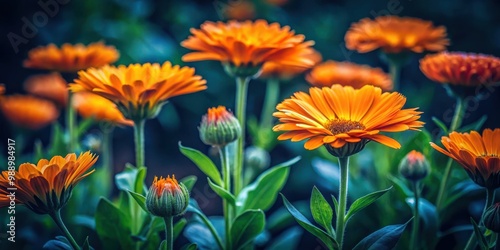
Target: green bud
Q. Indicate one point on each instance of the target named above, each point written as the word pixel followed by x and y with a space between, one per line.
pixel 414 166
pixel 219 127
pixel 167 197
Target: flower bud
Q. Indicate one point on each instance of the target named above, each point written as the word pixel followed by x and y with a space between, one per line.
pixel 414 166
pixel 257 158
pixel 167 197
pixel 492 217
pixel 219 127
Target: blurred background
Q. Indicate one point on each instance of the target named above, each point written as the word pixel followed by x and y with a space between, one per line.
pixel 151 31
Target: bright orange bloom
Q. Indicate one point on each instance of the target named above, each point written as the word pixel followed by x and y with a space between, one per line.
pixel 71 58
pixel 28 111
pixel 395 34
pixel 285 72
pixel 348 74
pixel 339 116
pixel 139 90
pixel 47 186
pixel 478 155
pixel 247 44
pixel 91 105
pixel 165 184
pixel 457 68
pixel 239 10
pixel 50 86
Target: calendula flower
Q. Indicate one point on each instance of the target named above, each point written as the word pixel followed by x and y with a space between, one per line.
pixel 138 90
pixel 46 186
pixel 243 47
pixel 478 155
pixel 344 119
pixel 458 68
pixel 50 86
pixel 91 105
pixel 28 111
pixel 286 72
pixel 71 58
pixel 348 74
pixel 219 127
pixel 239 10
pixel 167 197
pixel 395 34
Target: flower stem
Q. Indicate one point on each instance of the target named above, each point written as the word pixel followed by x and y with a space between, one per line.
pixel 272 94
pixel 139 143
pixel 71 125
pixel 416 217
pixel 107 158
pixel 56 216
pixel 490 196
pixel 224 158
pixel 344 180
pixel 169 232
pixel 241 100
pixel 455 123
pixel 395 72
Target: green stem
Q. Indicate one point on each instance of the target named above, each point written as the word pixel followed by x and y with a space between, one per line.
pixel 213 231
pixel 71 125
pixel 490 196
pixel 344 181
pixel 56 216
pixel 169 232
pixel 139 143
pixel 107 157
pixel 395 72
pixel 241 101
pixel 455 123
pixel 226 172
pixel 270 101
pixel 416 217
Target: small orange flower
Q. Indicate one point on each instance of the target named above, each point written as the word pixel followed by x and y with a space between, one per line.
pixel 247 44
pixel 239 10
pixel 457 68
pixel 47 186
pixel 167 197
pixel 478 155
pixel 395 34
pixel 286 72
pixel 91 105
pixel 50 86
pixel 71 58
pixel 28 111
pixel 139 90
pixel 348 74
pixel 344 119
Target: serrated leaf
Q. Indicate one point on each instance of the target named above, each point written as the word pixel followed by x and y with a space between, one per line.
pixel 246 227
pixel 224 194
pixel 385 238
pixel 204 163
pixel 321 211
pixel 189 181
pixel 364 201
pixel 140 199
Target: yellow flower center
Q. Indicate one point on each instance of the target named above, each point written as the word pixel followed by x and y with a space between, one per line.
pixel 339 126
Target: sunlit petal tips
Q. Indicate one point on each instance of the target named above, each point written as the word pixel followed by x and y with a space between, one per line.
pixel 99 108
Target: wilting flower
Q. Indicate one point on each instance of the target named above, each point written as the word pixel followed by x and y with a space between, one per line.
pixel 395 34
pixel 91 105
pixel 465 69
pixel 243 47
pixel 219 127
pixel 348 74
pixel 71 58
pixel 344 119
pixel 414 166
pixel 478 155
pixel 28 111
pixel 239 10
pixel 50 86
pixel 167 197
pixel 46 186
pixel 139 91
pixel 286 72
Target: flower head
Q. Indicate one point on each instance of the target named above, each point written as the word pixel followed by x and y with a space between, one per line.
pixel 414 166
pixel 478 155
pixel 46 186
pixel 348 74
pixel 167 197
pixel 138 90
pixel 395 34
pixel 286 72
pixel 219 127
pixel 28 111
pixel 344 119
pixel 71 58
pixel 50 86
pixel 91 105
pixel 243 47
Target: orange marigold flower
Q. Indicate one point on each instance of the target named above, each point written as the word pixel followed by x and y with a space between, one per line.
pixel 91 105
pixel 286 72
pixel 348 74
pixel 50 86
pixel 239 10
pixel 247 45
pixel 28 111
pixel 395 34
pixel 478 155
pixel 139 90
pixel 457 68
pixel 71 58
pixel 46 186
pixel 344 119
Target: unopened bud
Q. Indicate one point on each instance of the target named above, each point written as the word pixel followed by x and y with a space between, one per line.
pixel 167 197
pixel 219 127
pixel 414 166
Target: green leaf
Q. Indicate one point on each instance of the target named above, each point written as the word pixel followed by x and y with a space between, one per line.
pixel 440 124
pixel 321 211
pixel 84 125
pixel 385 238
pixel 262 193
pixel 191 246
pixel 178 227
pixel 189 181
pixel 224 194
pixel 307 225
pixel 131 178
pixel 289 239
pixel 163 245
pixel 59 244
pixel 112 226
pixel 204 163
pixel 400 185
pixel 428 215
pixel 246 227
pixel 140 199
pixel 364 201
pixel 335 204
pixel 57 142
pixel 281 218
pixel 193 235
pixel 483 243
